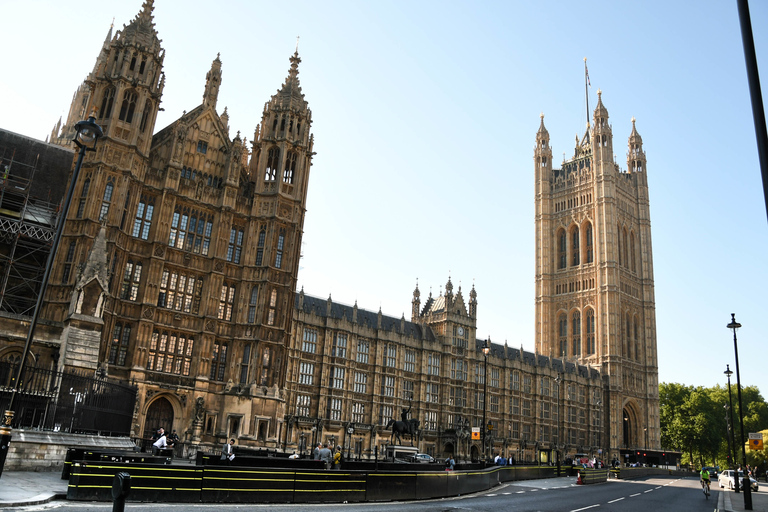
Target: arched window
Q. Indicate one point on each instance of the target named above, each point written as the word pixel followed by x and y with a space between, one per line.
pixel 273 159
pixel 83 197
pixel 252 304
pixel 590 251
pixel 245 363
pixel 106 200
pixel 133 63
pixel 106 103
pixel 632 251
pixel 68 263
pixel 290 167
pixel 272 313
pixel 563 334
pixel 618 242
pixel 628 338
pixel 624 247
pixel 226 301
pixel 218 361
pixel 279 253
pixel 118 349
pixel 590 331
pixel 562 248
pixel 576 333
pixel 260 247
pixel 128 106
pixel 575 246
pixel 638 352
pixel 145 115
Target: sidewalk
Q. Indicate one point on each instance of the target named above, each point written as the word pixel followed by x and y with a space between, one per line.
pixel 732 502
pixel 22 488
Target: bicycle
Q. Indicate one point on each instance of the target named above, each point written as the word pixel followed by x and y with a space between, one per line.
pixel 705 487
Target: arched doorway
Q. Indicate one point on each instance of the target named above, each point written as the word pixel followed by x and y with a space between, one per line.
pixel 629 427
pixel 159 414
pixel 448 451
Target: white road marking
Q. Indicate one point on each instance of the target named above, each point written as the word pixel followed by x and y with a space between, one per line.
pixel 633 495
pixel 585 508
pixel 614 501
pixel 649 490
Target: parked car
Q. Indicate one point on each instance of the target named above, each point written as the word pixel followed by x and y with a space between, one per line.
pixel 423 457
pixel 712 471
pixel 726 479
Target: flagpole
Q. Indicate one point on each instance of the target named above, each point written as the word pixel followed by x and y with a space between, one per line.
pixel 586 90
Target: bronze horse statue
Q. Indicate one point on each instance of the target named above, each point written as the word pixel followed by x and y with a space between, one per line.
pixel 401 427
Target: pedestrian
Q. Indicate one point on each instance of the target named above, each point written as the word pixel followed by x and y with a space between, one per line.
pixel 449 463
pixel 228 452
pixel 160 443
pixel 173 439
pixel 326 456
pixel 338 458
pixel 316 452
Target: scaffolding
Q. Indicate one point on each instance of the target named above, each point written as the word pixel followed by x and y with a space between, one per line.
pixel 27 226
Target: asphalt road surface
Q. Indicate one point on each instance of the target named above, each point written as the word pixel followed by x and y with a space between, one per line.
pixel 549 495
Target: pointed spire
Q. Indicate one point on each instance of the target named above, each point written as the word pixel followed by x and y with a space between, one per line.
pixel 109 34
pixel 600 110
pixel 141 30
pixel 212 83
pixel 542 129
pixel 290 93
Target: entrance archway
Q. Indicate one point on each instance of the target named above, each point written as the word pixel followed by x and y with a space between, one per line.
pixel 629 426
pixel 159 414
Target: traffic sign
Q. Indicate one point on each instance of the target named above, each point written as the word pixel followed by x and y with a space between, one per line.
pixel 476 433
pixel 755 441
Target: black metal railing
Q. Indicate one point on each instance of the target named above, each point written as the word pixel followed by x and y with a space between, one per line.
pixel 68 401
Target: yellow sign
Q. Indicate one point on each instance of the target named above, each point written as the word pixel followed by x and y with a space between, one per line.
pixel 476 433
pixel 755 444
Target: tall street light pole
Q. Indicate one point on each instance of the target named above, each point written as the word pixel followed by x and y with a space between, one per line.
pixel 728 372
pixel 87 133
pixel 734 325
pixel 486 350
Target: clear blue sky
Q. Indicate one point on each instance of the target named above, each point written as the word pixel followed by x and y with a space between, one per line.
pixel 425 115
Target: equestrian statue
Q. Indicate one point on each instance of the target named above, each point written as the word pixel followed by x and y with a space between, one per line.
pixel 405 426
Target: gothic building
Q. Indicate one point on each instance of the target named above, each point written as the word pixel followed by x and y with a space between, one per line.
pixel 178 266
pixel 178 262
pixel 594 274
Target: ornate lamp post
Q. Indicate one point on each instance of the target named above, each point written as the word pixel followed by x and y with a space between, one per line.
pixel 350 431
pixel 734 325
pixel 486 350
pixel 88 132
pixel 731 441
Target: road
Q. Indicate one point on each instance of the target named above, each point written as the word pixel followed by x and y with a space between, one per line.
pixel 550 495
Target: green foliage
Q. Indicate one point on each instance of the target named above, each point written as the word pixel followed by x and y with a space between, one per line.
pixel 694 421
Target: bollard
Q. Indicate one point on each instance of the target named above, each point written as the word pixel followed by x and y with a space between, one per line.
pixel 121 487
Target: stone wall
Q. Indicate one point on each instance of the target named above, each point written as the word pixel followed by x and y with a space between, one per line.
pixel 32 450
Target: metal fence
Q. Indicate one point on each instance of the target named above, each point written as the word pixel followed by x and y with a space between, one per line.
pixel 68 401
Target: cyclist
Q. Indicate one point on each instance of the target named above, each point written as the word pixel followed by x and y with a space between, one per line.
pixel 705 480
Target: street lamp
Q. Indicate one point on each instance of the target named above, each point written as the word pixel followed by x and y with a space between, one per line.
pixel 87 133
pixel 350 431
pixel 734 325
pixel 728 373
pixel 486 350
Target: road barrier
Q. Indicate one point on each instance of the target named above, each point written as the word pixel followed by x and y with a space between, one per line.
pixel 92 481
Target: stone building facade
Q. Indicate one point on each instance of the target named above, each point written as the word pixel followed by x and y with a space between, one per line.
pixel 352 371
pixel 178 268
pixel 178 261
pixel 594 275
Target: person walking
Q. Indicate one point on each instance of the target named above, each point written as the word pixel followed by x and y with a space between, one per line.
pixel 228 452
pixel 326 456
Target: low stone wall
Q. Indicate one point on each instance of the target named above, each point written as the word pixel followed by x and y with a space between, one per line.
pixel 32 450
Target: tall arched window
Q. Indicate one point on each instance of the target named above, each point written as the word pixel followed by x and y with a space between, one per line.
pixel 638 352
pixel 260 247
pixel 290 167
pixel 279 252
pixel 252 304
pixel 632 251
pixel 128 106
pixel 590 331
pixel 618 242
pixel 273 159
pixel 576 333
pixel 575 246
pixel 628 338
pixel 624 248
pixel 145 115
pixel 563 334
pixel 106 103
pixel 106 200
pixel 590 252
pixel 83 197
pixel 218 361
pixel 562 248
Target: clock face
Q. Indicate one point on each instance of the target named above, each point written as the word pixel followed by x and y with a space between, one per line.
pixel 460 331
